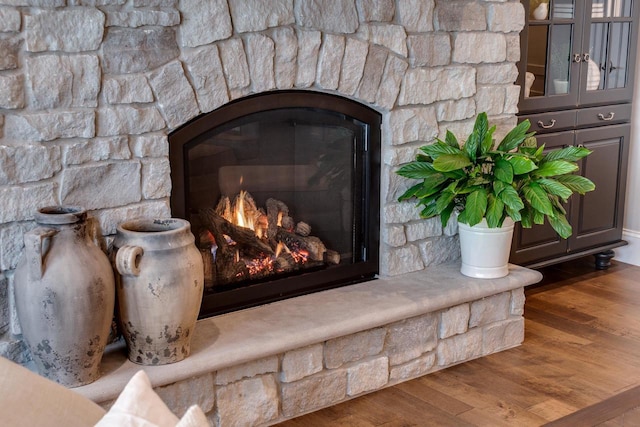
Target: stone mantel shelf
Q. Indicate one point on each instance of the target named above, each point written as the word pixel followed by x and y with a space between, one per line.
pixel 234 338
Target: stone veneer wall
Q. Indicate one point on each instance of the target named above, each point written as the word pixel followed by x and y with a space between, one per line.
pixel 302 380
pixel 89 90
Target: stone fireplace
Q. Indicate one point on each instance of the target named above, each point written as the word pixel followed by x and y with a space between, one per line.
pixel 91 89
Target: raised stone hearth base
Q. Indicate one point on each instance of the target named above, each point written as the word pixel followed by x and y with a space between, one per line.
pixel 264 365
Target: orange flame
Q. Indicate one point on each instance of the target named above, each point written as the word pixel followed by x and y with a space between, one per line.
pixel 241 219
pixel 281 247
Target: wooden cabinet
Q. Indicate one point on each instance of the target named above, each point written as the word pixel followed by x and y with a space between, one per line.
pixel 576 76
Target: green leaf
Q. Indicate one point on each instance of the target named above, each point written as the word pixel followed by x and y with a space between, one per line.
pixel 526 219
pixel 451 140
pixel 462 217
pixel 456 174
pixel 570 154
pixel 576 183
pixel 439 148
pixel 411 192
pixel 503 171
pixel 431 185
pixel 445 199
pixel 427 200
pixel 495 212
pixel 429 211
pixel 554 187
pixel 481 125
pixel 514 214
pixel 537 198
pixel 556 167
pixel 451 162
pixel 487 142
pixel 417 170
pixel 476 206
pixel 446 214
pixel 561 225
pixel 528 151
pixel 538 217
pixel 471 145
pixel 521 164
pixel 510 197
pixel 557 205
pixel 499 186
pixel 515 137
pixel 530 141
pixel 478 181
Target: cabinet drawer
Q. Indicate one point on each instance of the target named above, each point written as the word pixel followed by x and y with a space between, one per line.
pixel 551 122
pixel 605 115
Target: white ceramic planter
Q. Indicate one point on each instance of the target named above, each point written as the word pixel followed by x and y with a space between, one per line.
pixel 485 251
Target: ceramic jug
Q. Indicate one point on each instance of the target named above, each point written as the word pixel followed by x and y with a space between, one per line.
pixel 65 295
pixel 541 11
pixel 159 288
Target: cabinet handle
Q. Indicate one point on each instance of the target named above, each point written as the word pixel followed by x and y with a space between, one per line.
pixel 551 124
pixel 577 57
pixel 585 57
pixel 607 118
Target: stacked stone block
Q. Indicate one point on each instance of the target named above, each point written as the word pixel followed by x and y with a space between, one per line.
pixel 301 380
pixel 89 91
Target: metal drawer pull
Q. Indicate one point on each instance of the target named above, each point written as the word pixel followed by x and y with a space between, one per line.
pixel 586 57
pixel 551 124
pixel 608 117
pixel 577 57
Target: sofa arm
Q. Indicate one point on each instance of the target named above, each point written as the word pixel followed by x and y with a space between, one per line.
pixel 27 399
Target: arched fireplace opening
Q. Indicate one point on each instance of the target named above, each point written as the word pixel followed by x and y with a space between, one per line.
pixel 282 190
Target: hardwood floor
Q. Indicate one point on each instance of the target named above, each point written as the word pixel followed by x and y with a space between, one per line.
pixel 582 346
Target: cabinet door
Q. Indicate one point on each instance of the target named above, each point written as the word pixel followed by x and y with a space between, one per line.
pixel 548 71
pixel 597 216
pixel 608 51
pixel 541 241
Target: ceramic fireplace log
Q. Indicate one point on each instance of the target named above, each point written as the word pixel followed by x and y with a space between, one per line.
pixel 312 244
pixel 219 226
pixel 275 209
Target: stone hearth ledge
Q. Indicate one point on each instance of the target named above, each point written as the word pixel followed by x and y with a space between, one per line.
pixel 242 336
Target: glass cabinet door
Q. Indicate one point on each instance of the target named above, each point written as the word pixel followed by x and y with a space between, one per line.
pixel 550 38
pixel 576 53
pixel 607 70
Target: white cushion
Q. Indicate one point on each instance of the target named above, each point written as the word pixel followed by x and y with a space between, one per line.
pixel 194 417
pixel 139 406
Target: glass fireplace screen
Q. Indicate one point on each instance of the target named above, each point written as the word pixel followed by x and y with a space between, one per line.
pixel 282 195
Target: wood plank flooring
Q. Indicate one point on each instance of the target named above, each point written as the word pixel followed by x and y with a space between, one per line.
pixel 582 346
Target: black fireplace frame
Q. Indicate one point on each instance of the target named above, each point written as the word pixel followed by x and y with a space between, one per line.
pixel 181 139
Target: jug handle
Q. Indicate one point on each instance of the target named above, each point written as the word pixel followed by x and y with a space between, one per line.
pixel 35 250
pixel 128 260
pixel 95 233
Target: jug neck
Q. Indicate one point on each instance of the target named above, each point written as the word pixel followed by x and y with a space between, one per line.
pixel 52 216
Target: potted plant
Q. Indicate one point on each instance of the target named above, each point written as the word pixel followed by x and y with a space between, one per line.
pixel 492 186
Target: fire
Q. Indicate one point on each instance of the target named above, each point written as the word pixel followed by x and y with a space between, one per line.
pixel 243 212
pixel 280 248
pixel 241 218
